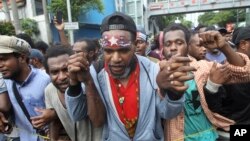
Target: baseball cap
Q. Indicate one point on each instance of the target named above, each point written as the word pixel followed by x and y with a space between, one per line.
pixel 35 53
pixel 118 21
pixel 10 44
pixel 243 34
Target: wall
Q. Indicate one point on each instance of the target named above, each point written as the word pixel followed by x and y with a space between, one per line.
pixel 28 11
pixel 42 27
pixel 89 23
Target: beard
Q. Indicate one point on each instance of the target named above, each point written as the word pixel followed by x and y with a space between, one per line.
pixel 61 88
pixel 12 75
pixel 169 55
pixel 127 69
pixel 124 75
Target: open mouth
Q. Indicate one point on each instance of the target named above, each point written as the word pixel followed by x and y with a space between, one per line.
pixel 138 51
pixel 64 85
pixel 117 69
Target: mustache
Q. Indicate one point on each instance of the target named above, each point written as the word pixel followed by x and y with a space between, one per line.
pixel 168 55
pixel 64 82
pixel 117 65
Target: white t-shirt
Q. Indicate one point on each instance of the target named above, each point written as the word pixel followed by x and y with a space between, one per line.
pixel 85 131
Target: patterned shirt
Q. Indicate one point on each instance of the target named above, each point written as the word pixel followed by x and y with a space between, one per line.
pixel 175 127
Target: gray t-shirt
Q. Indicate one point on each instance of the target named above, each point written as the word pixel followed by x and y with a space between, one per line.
pixel 85 131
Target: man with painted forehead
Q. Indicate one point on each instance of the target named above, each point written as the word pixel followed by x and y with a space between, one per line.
pixel 127 85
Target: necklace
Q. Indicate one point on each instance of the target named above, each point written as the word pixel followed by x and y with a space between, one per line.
pixel 121 99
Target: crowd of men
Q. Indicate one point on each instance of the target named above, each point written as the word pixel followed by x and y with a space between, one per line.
pixel 117 89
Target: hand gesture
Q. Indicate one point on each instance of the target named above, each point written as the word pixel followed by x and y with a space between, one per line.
pixel 78 68
pixel 59 27
pixel 219 75
pixel 173 74
pixel 46 116
pixel 212 39
pixel 5 126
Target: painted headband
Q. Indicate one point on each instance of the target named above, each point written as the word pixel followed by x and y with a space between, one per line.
pixel 114 42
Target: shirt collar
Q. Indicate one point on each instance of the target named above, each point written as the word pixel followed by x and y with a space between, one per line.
pixel 30 76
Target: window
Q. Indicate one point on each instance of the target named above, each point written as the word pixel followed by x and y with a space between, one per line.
pixel 39 7
pixel 130 8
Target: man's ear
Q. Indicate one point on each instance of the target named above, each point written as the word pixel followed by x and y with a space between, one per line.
pixel 22 58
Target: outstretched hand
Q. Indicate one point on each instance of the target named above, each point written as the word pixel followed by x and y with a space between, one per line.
pixel 59 27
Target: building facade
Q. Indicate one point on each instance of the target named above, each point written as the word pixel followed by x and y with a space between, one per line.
pixel 89 23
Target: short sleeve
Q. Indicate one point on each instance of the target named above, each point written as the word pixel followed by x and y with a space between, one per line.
pixel 48 98
pixel 3 87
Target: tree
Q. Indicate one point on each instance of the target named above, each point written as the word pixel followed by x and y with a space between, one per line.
pixel 7 28
pixel 30 27
pixel 164 21
pixel 186 23
pixel 77 7
pixel 221 18
pixel 205 18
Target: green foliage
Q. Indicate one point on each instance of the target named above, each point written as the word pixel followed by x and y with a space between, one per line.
pixel 164 21
pixel 222 17
pixel 6 28
pixel 186 23
pixel 77 7
pixel 205 18
pixel 29 27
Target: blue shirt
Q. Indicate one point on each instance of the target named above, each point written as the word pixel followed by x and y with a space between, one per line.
pixel 197 126
pixel 2 85
pixel 32 93
pixel 219 58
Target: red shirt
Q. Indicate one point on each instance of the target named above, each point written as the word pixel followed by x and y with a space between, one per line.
pixel 126 99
